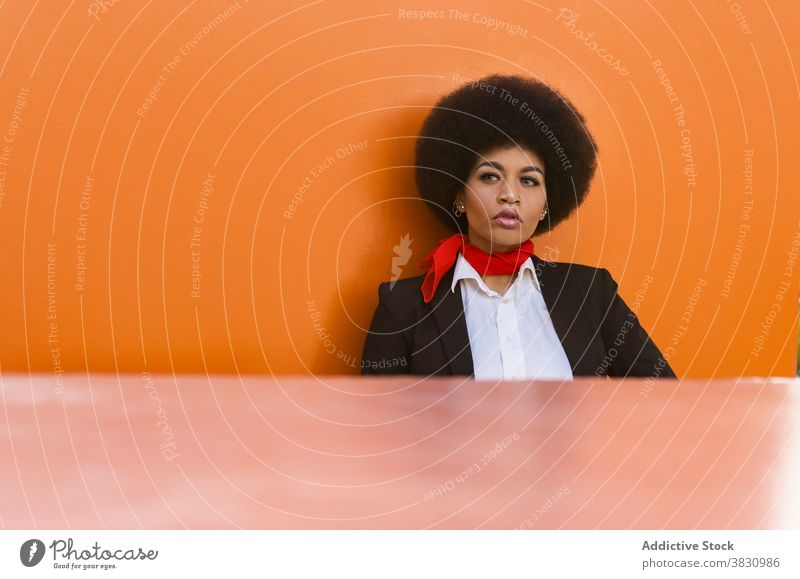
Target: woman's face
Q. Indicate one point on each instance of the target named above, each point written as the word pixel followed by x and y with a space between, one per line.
pixel 506 180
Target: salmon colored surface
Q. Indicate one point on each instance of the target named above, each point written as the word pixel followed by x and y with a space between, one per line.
pixel 220 186
pixel 226 452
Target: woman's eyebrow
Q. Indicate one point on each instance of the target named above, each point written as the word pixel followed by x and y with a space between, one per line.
pixel 497 165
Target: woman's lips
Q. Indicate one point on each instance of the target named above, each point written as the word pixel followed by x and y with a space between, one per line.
pixel 507 222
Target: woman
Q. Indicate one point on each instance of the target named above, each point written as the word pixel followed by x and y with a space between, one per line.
pixel 499 160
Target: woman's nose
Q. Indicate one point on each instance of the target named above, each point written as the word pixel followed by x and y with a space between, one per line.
pixel 509 195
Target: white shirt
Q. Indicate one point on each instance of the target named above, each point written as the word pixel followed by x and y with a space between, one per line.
pixel 511 335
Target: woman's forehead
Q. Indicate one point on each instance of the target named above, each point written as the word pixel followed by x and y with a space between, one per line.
pixel 511 156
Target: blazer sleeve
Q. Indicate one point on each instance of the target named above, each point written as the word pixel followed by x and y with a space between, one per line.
pixel 385 348
pixel 630 348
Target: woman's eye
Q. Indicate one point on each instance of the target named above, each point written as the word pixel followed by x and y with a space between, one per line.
pixel 494 177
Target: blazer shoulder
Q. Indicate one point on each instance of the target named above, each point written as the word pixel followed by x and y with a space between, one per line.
pixel 401 296
pixel 403 286
pixel 581 279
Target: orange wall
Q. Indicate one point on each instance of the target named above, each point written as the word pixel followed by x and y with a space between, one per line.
pixel 250 104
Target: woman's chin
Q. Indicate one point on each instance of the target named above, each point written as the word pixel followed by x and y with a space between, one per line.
pixel 502 236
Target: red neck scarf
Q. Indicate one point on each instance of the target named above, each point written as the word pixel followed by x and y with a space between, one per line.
pixel 444 255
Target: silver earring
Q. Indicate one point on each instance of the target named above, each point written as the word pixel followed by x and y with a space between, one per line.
pixel 543 214
pixel 458 210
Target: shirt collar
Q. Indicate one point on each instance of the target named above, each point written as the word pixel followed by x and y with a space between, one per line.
pixel 464 270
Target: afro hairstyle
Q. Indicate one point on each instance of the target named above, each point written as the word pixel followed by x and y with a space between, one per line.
pixel 501 111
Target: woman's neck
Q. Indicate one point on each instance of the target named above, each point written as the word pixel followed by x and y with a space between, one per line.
pixel 499 283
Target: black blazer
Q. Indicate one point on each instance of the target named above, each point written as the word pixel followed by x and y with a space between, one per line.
pixel 598 331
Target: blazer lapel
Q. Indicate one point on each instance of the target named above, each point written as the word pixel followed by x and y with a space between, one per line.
pixel 560 301
pixel 448 310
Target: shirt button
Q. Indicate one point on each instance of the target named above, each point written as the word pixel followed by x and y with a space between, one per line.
pixel 508 338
